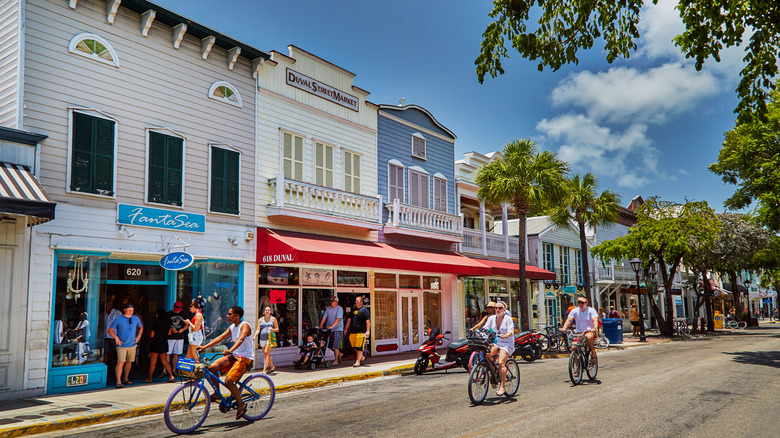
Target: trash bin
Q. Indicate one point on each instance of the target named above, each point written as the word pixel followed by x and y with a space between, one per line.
pixel 613 329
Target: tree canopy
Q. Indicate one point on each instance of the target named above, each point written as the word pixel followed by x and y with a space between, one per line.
pixel 565 26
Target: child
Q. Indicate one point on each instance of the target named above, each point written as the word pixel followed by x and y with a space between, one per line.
pixel 306 350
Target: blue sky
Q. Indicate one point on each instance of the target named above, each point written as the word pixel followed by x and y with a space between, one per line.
pixel 649 125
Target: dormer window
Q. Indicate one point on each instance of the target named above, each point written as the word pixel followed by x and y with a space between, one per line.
pixel 94 47
pixel 418 146
pixel 225 92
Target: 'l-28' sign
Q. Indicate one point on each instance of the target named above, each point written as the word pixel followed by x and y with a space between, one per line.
pixel 159 218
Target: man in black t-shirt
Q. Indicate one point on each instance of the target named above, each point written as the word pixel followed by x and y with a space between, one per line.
pixel 177 332
pixel 358 327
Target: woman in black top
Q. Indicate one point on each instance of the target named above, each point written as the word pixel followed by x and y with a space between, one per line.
pixel 159 347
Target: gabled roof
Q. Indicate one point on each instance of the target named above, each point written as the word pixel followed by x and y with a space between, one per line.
pixel 421 109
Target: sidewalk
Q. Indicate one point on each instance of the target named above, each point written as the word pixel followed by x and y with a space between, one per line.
pixel 68 411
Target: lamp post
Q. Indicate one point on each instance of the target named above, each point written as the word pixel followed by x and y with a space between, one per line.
pixel 747 300
pixel 636 265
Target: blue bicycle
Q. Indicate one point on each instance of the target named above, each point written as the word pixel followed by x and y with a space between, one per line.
pixel 189 404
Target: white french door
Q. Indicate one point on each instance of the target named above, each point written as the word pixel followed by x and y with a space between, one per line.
pixel 411 320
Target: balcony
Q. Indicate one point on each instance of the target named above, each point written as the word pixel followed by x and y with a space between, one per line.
pixel 416 221
pixel 615 273
pixel 483 243
pixel 309 201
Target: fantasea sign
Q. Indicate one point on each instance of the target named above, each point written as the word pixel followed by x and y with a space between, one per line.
pixel 176 261
pixel 324 91
pixel 159 218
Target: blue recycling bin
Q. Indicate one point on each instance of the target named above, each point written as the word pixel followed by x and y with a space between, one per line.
pixel 613 329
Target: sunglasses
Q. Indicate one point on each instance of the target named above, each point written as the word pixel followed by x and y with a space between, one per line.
pixel 129 320
pixel 582 302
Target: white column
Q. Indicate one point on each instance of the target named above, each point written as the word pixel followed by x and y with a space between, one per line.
pixel 505 228
pixel 482 227
pixel 280 189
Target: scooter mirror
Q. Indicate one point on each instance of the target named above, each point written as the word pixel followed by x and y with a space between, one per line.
pixel 447 332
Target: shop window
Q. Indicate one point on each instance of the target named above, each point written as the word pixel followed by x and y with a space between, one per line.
pixel 432 283
pixel 497 288
pixel 94 47
pixel 409 281
pixel 474 293
pixel 284 306
pixel 323 164
pixel 292 156
pixel 166 169
pixel 225 92
pixel 352 278
pixel 225 170
pixel 277 275
pixel 78 327
pixel 92 154
pixel 386 325
pixel 351 172
pixel 385 281
pixel 315 301
pixel 217 289
pixel 432 309
pixel 316 277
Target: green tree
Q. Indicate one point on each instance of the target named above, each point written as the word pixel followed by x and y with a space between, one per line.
pixel 523 176
pixel 750 159
pixel 586 208
pixel 661 239
pixel 565 26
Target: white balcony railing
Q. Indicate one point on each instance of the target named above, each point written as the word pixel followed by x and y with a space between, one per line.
pixel 479 242
pixel 318 199
pixel 615 272
pixel 410 216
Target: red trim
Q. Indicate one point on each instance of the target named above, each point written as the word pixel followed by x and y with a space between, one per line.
pixel 386 347
pixel 276 247
pixel 507 269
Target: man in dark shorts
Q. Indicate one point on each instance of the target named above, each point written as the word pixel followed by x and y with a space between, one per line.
pixel 177 332
pixel 359 327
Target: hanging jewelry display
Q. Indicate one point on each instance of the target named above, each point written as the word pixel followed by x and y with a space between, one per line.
pixel 77 279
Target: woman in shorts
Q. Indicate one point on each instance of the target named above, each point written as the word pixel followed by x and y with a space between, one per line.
pixel 196 333
pixel 266 325
pixel 504 346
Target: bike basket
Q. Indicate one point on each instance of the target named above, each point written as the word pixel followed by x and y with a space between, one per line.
pixel 190 370
pixel 480 339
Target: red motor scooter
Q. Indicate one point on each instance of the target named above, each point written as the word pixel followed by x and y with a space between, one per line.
pixel 458 353
pixel 528 346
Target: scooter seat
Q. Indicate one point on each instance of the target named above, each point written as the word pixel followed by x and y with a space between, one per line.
pixel 521 334
pixel 454 345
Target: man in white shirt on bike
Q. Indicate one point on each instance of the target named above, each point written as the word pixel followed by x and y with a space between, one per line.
pixel 586 319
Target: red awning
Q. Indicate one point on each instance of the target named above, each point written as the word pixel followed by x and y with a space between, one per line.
pixel 280 247
pixel 507 269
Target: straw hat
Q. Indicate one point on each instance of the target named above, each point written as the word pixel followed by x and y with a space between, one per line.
pixel 490 304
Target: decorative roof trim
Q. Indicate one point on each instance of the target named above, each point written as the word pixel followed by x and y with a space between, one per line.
pixel 419 108
pixel 19 136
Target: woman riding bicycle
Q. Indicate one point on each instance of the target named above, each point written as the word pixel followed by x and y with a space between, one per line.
pixel 504 327
pixel 586 320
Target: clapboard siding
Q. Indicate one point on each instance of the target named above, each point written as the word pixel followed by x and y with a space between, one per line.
pixel 156 86
pixel 10 45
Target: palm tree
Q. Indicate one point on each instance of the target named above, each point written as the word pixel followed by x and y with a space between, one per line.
pixel 523 177
pixel 585 209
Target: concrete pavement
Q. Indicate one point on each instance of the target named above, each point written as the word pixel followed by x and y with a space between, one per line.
pixel 68 411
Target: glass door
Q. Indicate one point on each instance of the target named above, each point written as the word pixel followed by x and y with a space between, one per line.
pixel 411 321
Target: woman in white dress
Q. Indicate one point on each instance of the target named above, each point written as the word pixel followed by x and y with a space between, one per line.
pixel 502 324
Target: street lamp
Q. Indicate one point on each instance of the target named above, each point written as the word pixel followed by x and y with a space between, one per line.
pixel 747 300
pixel 636 265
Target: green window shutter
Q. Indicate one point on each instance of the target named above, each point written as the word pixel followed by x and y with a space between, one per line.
pixel 174 170
pixel 165 169
pixel 231 186
pixel 156 167
pixel 224 181
pixel 92 163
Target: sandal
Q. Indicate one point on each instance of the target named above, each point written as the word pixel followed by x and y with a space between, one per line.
pixel 172 380
pixel 128 382
pixel 147 380
pixel 240 412
pixel 500 393
pixel 119 386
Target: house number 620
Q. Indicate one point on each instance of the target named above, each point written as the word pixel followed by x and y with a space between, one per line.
pixel 133 272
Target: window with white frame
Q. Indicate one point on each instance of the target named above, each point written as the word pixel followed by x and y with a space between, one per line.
pixel 93 147
pixel 225 170
pixel 94 47
pixel 323 164
pixel 563 258
pixel 418 146
pixel 439 193
pixel 166 169
pixel 548 258
pixel 351 172
pixel 578 262
pixel 225 92
pixel 419 187
pixel 395 178
pixel 292 156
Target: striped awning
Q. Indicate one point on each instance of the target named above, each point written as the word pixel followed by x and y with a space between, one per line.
pixel 22 193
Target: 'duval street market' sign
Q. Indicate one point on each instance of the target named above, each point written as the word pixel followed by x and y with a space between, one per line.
pixel 159 218
pixel 176 261
pixel 324 91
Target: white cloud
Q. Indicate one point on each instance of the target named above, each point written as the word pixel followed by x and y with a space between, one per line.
pixel 622 95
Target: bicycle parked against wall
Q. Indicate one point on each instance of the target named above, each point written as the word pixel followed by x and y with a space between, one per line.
pixel 580 360
pixel 188 405
pixel 681 328
pixel 557 340
pixel 735 323
pixel 484 374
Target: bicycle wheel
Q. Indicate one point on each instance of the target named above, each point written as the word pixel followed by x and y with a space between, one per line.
pixel 479 382
pixel 575 367
pixel 731 324
pixel 544 342
pixel 741 324
pixel 593 368
pixel 564 343
pixel 476 357
pixel 527 355
pixel 258 392
pixel 187 407
pixel 420 365
pixel 602 342
pixel 512 378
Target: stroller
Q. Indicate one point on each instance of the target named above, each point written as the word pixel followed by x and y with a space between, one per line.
pixel 321 354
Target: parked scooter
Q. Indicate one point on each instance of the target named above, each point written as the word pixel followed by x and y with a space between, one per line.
pixel 458 353
pixel 528 346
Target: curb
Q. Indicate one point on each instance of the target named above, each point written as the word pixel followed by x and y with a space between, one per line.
pixel 105 417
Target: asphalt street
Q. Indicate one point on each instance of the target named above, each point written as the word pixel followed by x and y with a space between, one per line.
pixel 714 387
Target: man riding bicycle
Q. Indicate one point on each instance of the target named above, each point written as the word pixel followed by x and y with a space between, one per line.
pixel 238 358
pixel 586 319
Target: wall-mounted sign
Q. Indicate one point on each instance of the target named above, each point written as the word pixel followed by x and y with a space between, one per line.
pixel 159 218
pixel 324 91
pixel 134 272
pixel 317 277
pixel 176 261
pixel 570 289
pixel 278 296
pixel 77 380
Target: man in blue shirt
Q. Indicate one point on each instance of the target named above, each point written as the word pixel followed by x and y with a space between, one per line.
pixel 125 331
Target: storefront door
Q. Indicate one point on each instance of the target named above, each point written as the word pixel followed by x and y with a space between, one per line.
pixel 411 321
